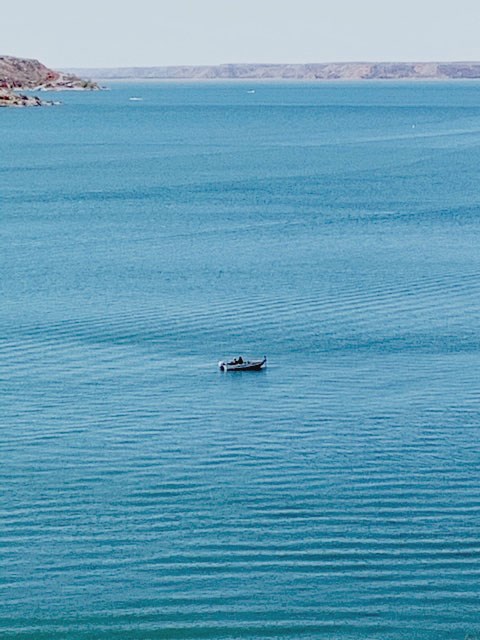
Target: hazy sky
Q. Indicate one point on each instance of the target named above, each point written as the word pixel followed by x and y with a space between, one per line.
pixel 86 33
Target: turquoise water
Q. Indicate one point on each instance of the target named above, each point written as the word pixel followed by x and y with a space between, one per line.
pixel 333 227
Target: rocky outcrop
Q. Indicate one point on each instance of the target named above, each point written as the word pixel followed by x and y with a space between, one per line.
pixel 20 74
pixel 314 71
pixel 11 99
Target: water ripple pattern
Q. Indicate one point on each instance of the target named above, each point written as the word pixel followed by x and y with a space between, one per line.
pixel 147 495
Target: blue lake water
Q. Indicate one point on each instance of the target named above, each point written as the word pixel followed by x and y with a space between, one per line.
pixel 333 227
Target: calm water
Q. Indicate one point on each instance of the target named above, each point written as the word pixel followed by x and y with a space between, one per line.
pixel 333 227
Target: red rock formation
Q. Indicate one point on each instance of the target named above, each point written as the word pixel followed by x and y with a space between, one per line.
pixel 21 73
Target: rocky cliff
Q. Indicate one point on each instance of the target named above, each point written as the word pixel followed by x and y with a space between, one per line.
pixel 20 74
pixel 314 71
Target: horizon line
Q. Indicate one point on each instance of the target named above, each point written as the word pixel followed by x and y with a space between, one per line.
pixel 259 64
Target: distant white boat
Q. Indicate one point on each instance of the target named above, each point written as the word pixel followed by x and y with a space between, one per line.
pixel 135 99
pixel 251 91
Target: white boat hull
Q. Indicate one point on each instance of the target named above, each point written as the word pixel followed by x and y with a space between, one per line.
pixel 248 365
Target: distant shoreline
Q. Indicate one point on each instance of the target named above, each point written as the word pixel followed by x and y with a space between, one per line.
pixel 315 72
pixel 254 81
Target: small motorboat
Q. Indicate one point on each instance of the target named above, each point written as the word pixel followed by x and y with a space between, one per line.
pixel 239 364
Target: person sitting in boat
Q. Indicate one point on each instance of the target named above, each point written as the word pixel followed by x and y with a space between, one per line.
pixel 239 360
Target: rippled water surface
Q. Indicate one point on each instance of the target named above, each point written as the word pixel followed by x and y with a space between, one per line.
pixel 333 227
